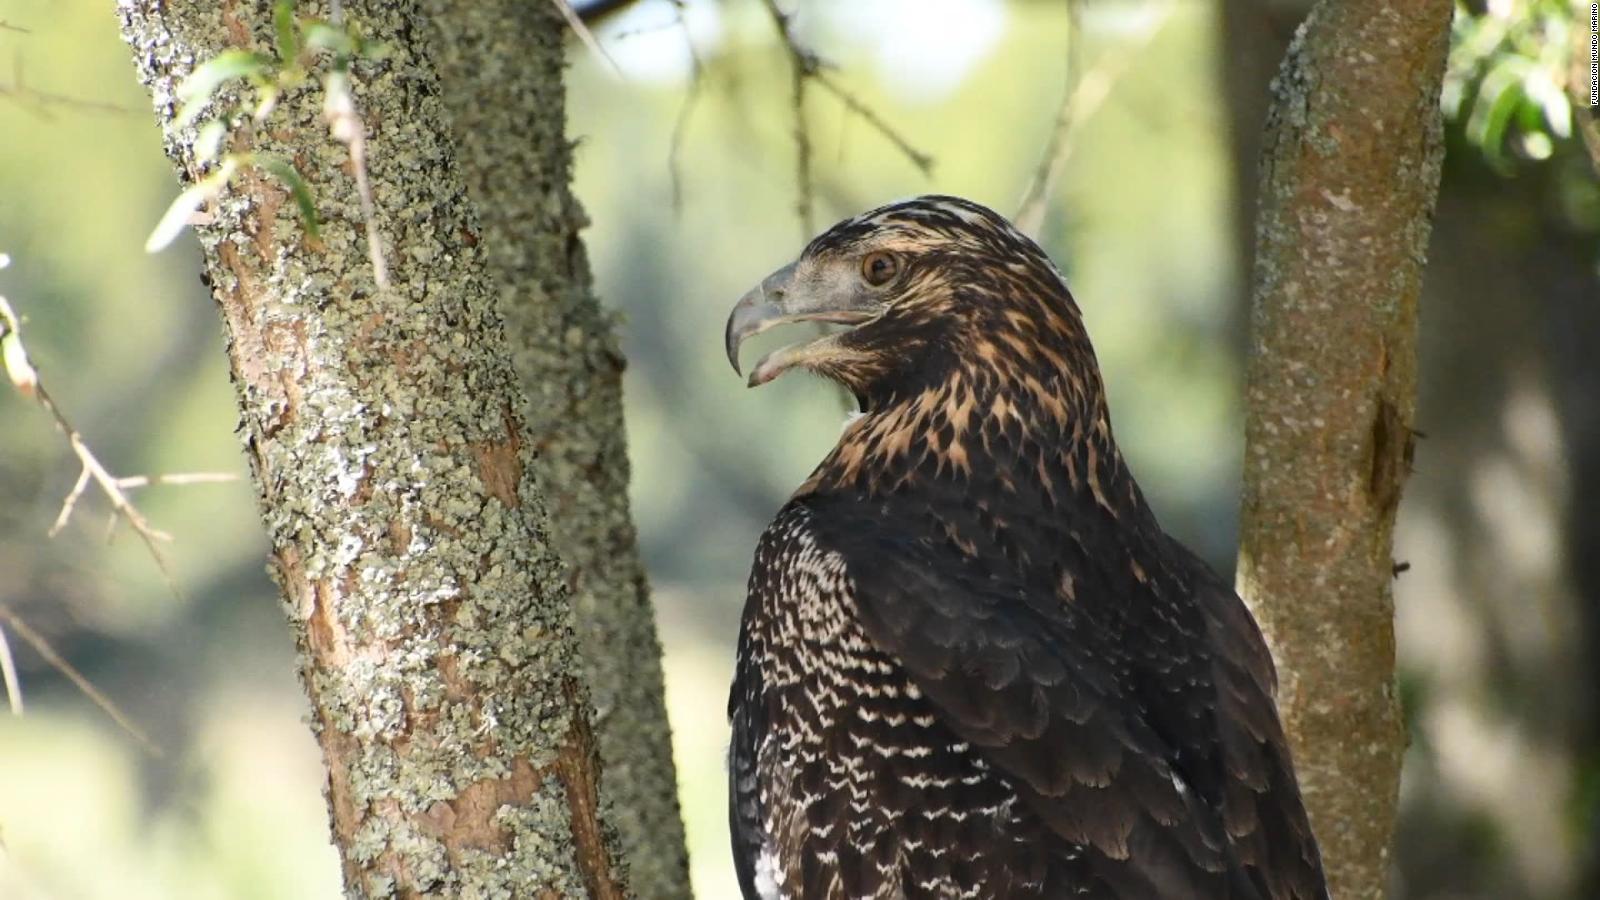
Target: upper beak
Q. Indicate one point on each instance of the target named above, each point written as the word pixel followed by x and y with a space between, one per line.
pixel 777 300
pixel 761 307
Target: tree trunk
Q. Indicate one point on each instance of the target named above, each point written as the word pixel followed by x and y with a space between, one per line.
pixel 1350 171
pixel 510 129
pixel 396 481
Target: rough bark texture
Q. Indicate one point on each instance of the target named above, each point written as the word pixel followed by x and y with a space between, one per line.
pixel 1350 170
pixel 396 481
pixel 500 64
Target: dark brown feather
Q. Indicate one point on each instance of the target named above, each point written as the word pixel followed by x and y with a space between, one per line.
pixel 971 662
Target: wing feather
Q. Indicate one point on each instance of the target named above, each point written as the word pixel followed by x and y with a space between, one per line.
pixel 1046 693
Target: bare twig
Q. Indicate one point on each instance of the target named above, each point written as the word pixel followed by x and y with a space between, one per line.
pixel 802 63
pixel 135 481
pixel 679 127
pixel 618 37
pixel 26 380
pixel 108 486
pixel 805 201
pixel 585 35
pixel 598 9
pixel 179 478
pixel 804 67
pixel 40 103
pixel 921 160
pixel 8 672
pixel 70 502
pixel 1081 99
pixel 60 664
pixel 7 26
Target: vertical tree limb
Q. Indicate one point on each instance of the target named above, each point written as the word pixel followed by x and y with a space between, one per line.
pixel 510 128
pixel 1350 171
pixel 396 481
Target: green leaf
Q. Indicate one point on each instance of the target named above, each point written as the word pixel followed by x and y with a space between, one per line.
pixel 18 369
pixel 319 35
pixel 1541 88
pixel 175 218
pixel 177 215
pixel 285 172
pixel 209 141
pixel 1498 98
pixel 196 90
pixel 288 43
pixel 266 102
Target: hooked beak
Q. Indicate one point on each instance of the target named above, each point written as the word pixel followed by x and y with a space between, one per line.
pixel 778 300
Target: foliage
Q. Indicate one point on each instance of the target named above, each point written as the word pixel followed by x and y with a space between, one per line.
pixel 1508 77
pixel 300 44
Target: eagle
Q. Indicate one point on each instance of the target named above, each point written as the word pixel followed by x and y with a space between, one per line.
pixel 971 663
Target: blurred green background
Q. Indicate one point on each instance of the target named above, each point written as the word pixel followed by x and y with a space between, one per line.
pixel 1497 612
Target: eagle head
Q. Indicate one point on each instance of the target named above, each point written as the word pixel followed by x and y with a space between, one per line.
pixel 929 289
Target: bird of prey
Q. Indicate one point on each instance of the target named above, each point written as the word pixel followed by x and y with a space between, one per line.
pixel 971 664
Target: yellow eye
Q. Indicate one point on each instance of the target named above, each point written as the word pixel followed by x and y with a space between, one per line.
pixel 879 266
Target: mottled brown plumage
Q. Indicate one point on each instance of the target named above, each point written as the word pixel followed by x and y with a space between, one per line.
pixel 971 662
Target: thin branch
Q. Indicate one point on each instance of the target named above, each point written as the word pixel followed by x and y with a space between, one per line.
pixel 135 481
pixel 681 125
pixel 82 683
pixel 618 37
pixel 70 502
pixel 108 486
pixel 923 161
pixel 40 103
pixel 176 479
pixel 8 672
pixel 584 34
pixel 805 201
pixel 802 62
pixel 597 9
pixel 804 67
pixel 7 26
pixel 1081 99
pixel 26 380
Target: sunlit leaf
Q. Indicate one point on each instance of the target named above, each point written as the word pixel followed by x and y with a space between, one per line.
pixel 186 204
pixel 319 35
pixel 1498 98
pixel 266 102
pixel 1551 99
pixel 196 90
pixel 288 43
pixel 209 140
pixel 18 369
pixel 285 172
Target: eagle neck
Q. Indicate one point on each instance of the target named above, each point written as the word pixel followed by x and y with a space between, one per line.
pixel 1046 437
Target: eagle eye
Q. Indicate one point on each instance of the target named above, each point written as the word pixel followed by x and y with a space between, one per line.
pixel 879 266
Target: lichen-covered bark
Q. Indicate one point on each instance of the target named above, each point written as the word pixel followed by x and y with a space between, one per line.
pixel 500 65
pixel 396 482
pixel 1350 170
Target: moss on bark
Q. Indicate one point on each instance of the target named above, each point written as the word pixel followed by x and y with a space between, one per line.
pixel 510 128
pixel 396 481
pixel 1350 171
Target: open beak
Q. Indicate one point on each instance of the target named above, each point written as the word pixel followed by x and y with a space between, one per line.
pixel 778 300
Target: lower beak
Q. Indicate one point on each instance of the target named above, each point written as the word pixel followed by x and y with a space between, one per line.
pixel 759 309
